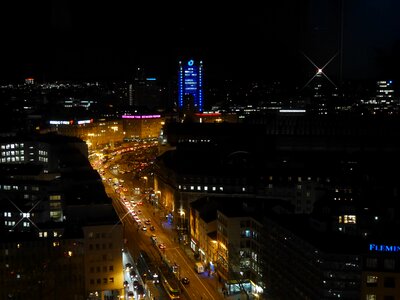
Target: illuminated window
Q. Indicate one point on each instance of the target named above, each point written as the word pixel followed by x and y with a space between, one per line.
pixel 349 219
pixel 372 280
pixel 371 297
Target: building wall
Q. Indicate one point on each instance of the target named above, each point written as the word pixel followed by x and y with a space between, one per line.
pixel 42 268
pixel 380 278
pixel 103 258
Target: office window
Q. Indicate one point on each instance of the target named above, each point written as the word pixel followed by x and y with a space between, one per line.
pixel 389 264
pixel 371 297
pixel 372 262
pixel 372 280
pixel 389 282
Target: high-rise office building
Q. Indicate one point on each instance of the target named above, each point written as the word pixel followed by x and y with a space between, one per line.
pixel 144 93
pixel 190 89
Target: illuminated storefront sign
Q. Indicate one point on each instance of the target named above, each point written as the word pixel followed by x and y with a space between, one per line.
pixel 384 248
pixel 141 117
pixel 54 122
pixel 85 121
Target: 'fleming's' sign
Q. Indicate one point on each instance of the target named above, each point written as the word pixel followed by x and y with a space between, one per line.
pixel 384 248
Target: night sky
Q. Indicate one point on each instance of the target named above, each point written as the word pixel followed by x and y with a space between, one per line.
pixel 68 39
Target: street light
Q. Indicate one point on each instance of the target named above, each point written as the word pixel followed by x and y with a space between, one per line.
pixel 145 185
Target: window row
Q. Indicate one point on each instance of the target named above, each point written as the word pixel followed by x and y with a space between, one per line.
pixel 12 159
pixel 12 146
pixel 12 153
pixel 99 281
pixel 102 246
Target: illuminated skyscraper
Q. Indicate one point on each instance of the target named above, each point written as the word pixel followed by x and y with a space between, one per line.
pixel 190 89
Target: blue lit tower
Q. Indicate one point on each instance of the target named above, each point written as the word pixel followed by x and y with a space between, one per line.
pixel 190 89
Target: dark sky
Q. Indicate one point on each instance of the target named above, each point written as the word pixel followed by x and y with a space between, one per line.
pixel 75 39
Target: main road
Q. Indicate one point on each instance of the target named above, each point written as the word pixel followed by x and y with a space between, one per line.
pixel 201 286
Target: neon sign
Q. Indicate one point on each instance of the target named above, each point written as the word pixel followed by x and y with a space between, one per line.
pixel 384 248
pixel 141 117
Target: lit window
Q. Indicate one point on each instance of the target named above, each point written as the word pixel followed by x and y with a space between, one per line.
pixel 191 187
pixel 206 188
pixel 372 280
pixel 199 188
pixel 371 297
pixel 349 219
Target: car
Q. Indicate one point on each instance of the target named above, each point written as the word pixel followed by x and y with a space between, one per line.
pixel 144 228
pixel 162 246
pixel 126 284
pixel 147 222
pixel 135 284
pixel 152 228
pixel 185 280
pixel 128 266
